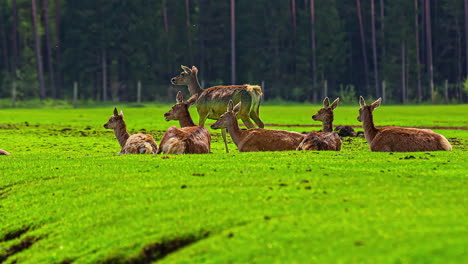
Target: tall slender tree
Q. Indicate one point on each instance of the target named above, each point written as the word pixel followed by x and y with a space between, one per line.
pixel 58 50
pixel 418 60
pixel 233 41
pixel 40 71
pixel 363 44
pixel 4 44
pixel 45 8
pixel 313 46
pixel 374 51
pixel 14 39
pixel 429 48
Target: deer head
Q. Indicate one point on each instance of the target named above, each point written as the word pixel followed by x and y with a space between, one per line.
pixel 228 117
pixel 115 120
pixel 365 111
pixel 180 109
pixel 186 76
pixel 326 112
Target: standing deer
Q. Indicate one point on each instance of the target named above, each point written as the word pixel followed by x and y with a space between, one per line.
pixel 212 102
pixel 327 139
pixel 135 144
pixel 3 152
pixel 397 139
pixel 256 139
pixel 190 138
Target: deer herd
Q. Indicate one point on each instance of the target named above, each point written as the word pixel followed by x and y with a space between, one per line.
pixel 227 104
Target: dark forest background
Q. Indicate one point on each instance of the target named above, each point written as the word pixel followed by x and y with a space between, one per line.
pixel 299 50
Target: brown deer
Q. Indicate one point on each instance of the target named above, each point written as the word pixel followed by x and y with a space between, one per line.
pixel 212 102
pixel 397 139
pixel 135 144
pixel 256 139
pixel 3 152
pixel 327 139
pixel 190 138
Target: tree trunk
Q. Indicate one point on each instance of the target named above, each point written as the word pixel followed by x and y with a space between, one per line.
pixel 104 74
pixel 58 52
pixel 4 42
pixel 313 45
pixel 418 60
pixel 14 40
pixel 233 41
pixel 40 71
pixel 49 49
pixel 363 44
pixel 189 34
pixel 403 72
pixel 294 49
pixel 429 49
pixel 374 51
pixel 466 35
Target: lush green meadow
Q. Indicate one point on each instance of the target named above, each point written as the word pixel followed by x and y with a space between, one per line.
pixel 66 197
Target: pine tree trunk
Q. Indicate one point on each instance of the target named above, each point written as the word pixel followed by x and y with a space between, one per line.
pixel 429 48
pixel 418 60
pixel 14 40
pixel 58 53
pixel 363 45
pixel 233 42
pixel 374 51
pixel 313 45
pixel 40 71
pixel 49 49
pixel 189 34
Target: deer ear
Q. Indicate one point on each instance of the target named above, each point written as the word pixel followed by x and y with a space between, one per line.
pixel 377 103
pixel 362 103
pixel 335 103
pixel 326 102
pixel 237 107
pixel 186 69
pixel 194 70
pixel 116 113
pixel 179 97
pixel 229 107
pixel 121 113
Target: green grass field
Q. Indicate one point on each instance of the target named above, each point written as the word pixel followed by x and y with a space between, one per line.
pixel 65 197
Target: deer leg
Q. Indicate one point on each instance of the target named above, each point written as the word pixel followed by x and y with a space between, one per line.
pixel 246 120
pixel 223 132
pixel 256 119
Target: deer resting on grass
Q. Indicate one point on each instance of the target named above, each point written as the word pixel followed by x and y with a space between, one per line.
pixel 397 139
pixel 327 139
pixel 256 139
pixel 135 144
pixel 3 152
pixel 190 138
pixel 212 102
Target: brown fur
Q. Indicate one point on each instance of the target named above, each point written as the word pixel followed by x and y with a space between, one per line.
pixel 190 138
pixel 212 102
pixel 256 139
pixel 135 144
pixel 327 139
pixel 398 139
pixel 3 152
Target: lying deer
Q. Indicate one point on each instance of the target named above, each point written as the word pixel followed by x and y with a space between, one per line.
pixel 3 152
pixel 135 144
pixel 256 139
pixel 190 138
pixel 327 139
pixel 397 139
pixel 212 102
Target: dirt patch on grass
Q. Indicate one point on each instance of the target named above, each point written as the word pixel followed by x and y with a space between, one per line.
pixel 16 248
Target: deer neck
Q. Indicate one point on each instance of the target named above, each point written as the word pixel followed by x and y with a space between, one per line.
pixel 327 124
pixel 121 134
pixel 370 131
pixel 186 120
pixel 236 133
pixel 194 86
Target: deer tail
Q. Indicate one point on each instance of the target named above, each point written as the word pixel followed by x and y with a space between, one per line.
pixel 256 93
pixel 146 148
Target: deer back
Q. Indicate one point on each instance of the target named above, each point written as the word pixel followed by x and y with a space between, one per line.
pixel 259 139
pixel 194 139
pixel 321 141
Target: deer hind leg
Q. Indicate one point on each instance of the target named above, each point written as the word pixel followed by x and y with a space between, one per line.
pixel 256 119
pixel 223 133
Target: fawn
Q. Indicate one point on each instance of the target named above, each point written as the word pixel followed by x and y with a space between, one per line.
pixel 397 139
pixel 212 102
pixel 327 139
pixel 135 144
pixel 190 138
pixel 256 139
